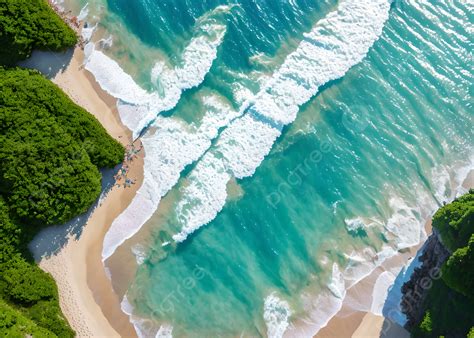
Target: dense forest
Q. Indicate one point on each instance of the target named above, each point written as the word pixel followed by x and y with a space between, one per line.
pixel 449 304
pixel 51 149
pixel 29 302
pixel 31 24
pixel 50 155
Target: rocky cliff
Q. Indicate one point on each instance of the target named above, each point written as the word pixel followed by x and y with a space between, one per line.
pixel 415 290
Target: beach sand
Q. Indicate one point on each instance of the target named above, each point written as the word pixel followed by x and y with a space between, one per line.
pixel 355 323
pixel 86 295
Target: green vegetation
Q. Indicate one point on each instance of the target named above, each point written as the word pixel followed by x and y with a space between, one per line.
pixel 49 159
pixel 50 155
pixel 426 325
pixel 14 324
pixel 28 295
pixel 51 149
pixel 455 222
pixel 458 272
pixel 449 305
pixel 31 24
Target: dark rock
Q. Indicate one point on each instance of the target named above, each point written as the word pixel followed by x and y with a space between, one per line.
pixel 416 289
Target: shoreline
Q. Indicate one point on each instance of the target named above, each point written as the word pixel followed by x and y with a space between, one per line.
pixel 86 293
pixel 87 298
pixel 349 322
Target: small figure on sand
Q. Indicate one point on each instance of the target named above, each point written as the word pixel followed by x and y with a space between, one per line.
pixel 121 177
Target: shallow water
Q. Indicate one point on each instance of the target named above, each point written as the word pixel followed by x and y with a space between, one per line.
pixel 272 211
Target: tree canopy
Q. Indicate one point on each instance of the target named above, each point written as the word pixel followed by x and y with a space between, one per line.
pixel 455 222
pixel 50 155
pixel 449 305
pixel 29 302
pixel 31 24
pixel 458 271
pixel 51 150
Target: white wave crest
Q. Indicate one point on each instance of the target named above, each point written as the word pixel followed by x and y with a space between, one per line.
pixel 354 27
pixel 84 12
pixel 197 59
pixel 276 314
pixel 206 193
pixel 169 148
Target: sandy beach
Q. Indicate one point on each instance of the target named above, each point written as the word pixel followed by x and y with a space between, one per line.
pixel 86 294
pixel 357 324
pixel 87 297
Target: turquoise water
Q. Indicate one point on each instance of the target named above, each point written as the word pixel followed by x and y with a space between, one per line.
pixel 352 179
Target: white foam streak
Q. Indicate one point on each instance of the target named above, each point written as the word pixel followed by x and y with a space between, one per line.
pixel 84 12
pixel 276 314
pixel 354 27
pixel 207 192
pixel 337 284
pixel 337 43
pixel 404 223
pixel 197 58
pixel 170 147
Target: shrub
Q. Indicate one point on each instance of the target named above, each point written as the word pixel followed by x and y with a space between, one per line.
pixel 455 221
pixel 45 314
pixel 22 89
pixel 50 152
pixel 31 24
pixel 14 324
pixel 27 284
pixel 458 271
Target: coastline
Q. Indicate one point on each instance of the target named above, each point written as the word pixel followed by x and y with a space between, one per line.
pixel 86 295
pixel 348 322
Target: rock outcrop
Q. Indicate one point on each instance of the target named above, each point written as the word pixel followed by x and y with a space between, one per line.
pixel 415 290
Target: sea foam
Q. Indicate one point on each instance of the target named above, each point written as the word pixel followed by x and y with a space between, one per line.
pixel 321 308
pixel 170 146
pixel 197 59
pixel 320 58
pixel 276 314
pixel 249 138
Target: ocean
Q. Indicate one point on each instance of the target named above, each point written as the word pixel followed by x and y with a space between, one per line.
pixel 291 147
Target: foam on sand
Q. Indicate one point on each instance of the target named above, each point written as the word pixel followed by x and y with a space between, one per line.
pixel 197 59
pixel 83 13
pixel 170 147
pixel 379 295
pixel 276 313
pixel 326 304
pixel 337 284
pixel 165 331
